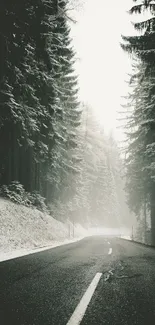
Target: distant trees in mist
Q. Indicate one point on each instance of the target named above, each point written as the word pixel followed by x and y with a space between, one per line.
pixel 100 198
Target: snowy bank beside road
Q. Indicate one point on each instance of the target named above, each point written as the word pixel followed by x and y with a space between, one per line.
pixel 24 230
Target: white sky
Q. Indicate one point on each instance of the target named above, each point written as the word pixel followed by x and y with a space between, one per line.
pixel 103 66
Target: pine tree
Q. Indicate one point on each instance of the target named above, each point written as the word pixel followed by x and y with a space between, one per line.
pixel 39 105
pixel 141 154
pixel 64 165
pixel 23 111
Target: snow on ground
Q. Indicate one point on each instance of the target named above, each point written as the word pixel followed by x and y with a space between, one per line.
pixel 24 231
pixel 126 237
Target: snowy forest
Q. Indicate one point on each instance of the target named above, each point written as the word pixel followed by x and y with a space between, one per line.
pixel 139 109
pixel 54 154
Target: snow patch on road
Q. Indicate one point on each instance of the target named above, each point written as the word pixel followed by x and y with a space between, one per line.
pixel 110 251
pixel 25 231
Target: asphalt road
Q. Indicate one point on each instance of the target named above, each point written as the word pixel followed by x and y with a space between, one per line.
pixel 46 288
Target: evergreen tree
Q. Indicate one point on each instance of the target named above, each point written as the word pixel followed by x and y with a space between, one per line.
pixel 64 165
pixel 38 97
pixel 141 135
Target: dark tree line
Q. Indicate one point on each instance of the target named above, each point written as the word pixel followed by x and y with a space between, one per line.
pixel 39 109
pixel 140 157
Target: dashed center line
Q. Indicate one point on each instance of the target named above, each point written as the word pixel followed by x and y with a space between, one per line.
pixel 110 251
pixel 80 310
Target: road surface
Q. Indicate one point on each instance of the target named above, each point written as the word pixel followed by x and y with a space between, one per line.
pixel 92 282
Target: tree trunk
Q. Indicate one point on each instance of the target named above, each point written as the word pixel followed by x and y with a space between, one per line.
pixel 153 219
pixel 145 222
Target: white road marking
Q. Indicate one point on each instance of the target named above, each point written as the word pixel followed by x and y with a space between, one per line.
pixel 80 310
pixel 110 251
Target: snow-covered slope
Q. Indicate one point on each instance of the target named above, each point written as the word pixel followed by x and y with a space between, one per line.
pixel 24 229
